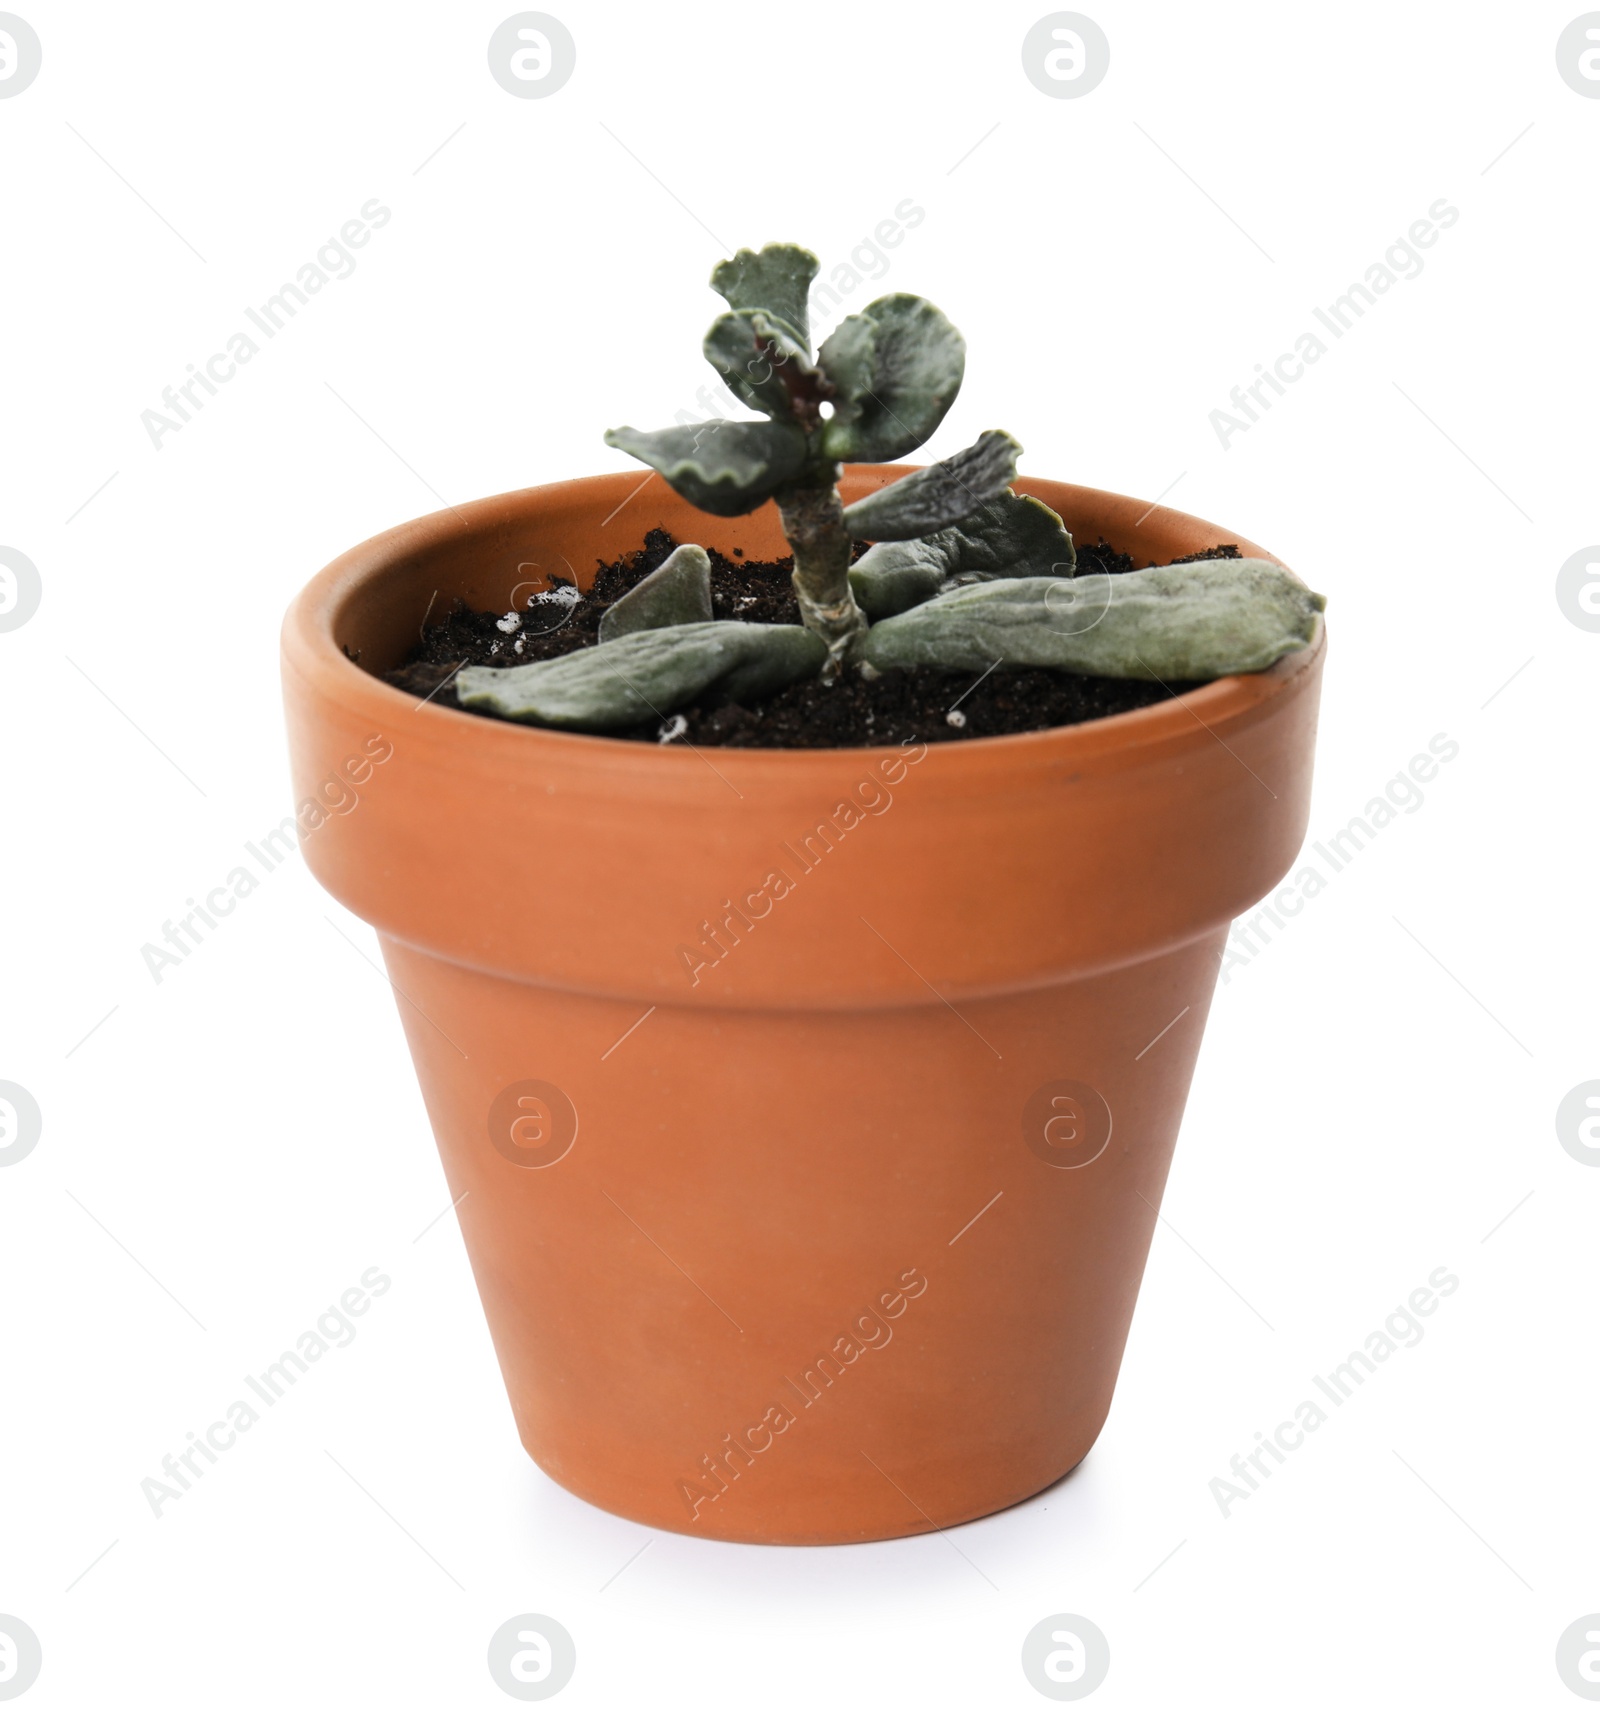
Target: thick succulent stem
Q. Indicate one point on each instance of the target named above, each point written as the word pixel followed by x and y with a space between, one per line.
pixel 813 521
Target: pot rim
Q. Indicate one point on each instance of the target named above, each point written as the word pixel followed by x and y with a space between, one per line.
pixel 310 645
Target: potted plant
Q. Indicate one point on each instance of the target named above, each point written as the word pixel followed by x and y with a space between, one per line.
pixel 807 1066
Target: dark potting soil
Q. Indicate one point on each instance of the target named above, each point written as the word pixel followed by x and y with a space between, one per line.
pixel 935 707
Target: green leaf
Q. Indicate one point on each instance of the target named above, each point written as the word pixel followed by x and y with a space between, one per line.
pixel 763 365
pixel 1012 536
pixel 941 495
pixel 677 592
pixel 722 467
pixel 896 368
pixel 846 357
pixel 645 675
pixel 1198 621
pixel 776 278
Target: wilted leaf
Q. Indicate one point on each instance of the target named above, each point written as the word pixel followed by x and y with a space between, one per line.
pixel 1012 536
pixel 677 592
pixel 897 368
pixel 941 495
pixel 646 674
pixel 722 467
pixel 1198 621
pixel 776 278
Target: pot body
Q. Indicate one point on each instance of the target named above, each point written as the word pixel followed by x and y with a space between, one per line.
pixel 810 1110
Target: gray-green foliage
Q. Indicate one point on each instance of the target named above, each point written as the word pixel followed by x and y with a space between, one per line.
pixel 1196 621
pixel 760 360
pixel 939 495
pixel 1012 536
pixel 896 369
pixel 723 468
pixel 963 574
pixel 777 279
pixel 645 674
pixel 876 389
pixel 677 592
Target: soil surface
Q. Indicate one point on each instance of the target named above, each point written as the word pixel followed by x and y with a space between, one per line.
pixel 935 707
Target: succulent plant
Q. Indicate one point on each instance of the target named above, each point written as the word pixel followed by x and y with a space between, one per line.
pixel 963 574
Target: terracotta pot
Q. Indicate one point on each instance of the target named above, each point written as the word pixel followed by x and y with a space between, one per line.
pixel 811 1109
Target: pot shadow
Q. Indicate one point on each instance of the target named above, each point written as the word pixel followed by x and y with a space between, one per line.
pixel 1070 1525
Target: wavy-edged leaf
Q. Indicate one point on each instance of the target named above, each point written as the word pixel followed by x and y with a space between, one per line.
pixel 645 675
pixel 1198 621
pixel 724 468
pixel 847 357
pixel 764 366
pixel 1011 536
pixel 776 278
pixel 896 369
pixel 938 496
pixel 677 592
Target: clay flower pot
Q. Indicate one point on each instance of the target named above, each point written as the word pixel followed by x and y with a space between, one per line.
pixel 803 1103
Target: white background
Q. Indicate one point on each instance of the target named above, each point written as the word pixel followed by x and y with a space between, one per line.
pixel 1369 1106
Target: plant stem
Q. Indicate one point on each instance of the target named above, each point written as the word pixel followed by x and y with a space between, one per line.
pixel 813 521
